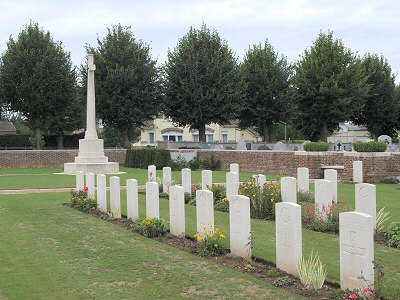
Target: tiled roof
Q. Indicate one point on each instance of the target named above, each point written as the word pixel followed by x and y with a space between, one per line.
pixel 7 126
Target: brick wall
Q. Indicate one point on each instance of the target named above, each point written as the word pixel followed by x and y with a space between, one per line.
pixel 376 166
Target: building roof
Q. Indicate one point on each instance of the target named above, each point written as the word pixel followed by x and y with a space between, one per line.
pixel 7 126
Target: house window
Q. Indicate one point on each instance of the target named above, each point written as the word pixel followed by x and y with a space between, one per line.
pixel 172 136
pixel 210 138
pixel 151 138
pixel 224 136
pixel 195 138
pixel 167 118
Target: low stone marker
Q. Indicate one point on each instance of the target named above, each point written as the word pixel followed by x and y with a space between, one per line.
pixel 115 197
pixel 167 179
pixel 232 184
pixel 356 250
pixel 204 211
pixel 206 179
pixel 80 180
pixel 288 189
pixel 323 196
pixel 102 192
pixel 187 180
pixel 90 185
pixel 366 200
pixel 132 199
pixel 357 171
pixel 331 175
pixel 152 200
pixel 177 211
pixel 240 228
pixel 288 236
pixel 152 173
pixel 303 179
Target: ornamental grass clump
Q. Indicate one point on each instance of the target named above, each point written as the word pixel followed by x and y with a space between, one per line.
pixel 81 201
pixel 212 242
pixel 152 227
pixel 312 272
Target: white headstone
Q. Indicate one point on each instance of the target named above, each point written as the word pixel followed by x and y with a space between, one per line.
pixel 357 171
pixel 206 179
pixel 366 200
pixel 240 228
pixel 90 185
pixel 102 192
pixel 177 211
pixel 232 184
pixel 241 145
pixel 261 179
pixel 385 138
pixel 152 200
pixel 303 179
pixel 331 175
pixel 187 180
pixel 80 180
pixel 323 196
pixel 356 250
pixel 279 146
pixel 167 179
pixel 132 209
pixel 234 168
pixel 115 196
pixel 302 145
pixel 288 236
pixel 288 189
pixel 152 173
pixel 204 211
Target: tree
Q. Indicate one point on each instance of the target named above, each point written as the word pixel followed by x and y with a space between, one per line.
pixel 201 84
pixel 38 79
pixel 266 96
pixel 330 87
pixel 380 112
pixel 126 80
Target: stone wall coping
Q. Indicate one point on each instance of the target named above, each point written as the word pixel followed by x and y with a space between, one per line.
pixel 368 154
pixel 333 167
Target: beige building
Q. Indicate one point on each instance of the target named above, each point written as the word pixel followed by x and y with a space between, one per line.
pixel 350 133
pixel 162 129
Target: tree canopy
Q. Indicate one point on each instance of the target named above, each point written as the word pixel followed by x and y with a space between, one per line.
pixel 330 87
pixel 380 111
pixel 202 81
pixel 126 80
pixel 38 79
pixel 266 84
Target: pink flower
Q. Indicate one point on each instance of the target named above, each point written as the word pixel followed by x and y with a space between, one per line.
pixel 368 290
pixel 353 296
pixel 151 173
pixel 195 188
pixel 85 188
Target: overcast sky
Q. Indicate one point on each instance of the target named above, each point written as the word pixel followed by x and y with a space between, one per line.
pixel 290 26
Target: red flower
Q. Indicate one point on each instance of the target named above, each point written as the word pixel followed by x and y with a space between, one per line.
pixel 195 188
pixel 85 188
pixel 151 173
pixel 353 296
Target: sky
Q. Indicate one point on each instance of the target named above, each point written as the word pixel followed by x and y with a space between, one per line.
pixel 291 26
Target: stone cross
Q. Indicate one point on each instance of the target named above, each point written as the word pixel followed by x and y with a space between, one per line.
pixel 90 133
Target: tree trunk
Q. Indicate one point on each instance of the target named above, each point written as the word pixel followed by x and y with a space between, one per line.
pixel 374 136
pixel 60 141
pixel 38 135
pixel 265 133
pixel 126 141
pixel 202 133
pixel 324 132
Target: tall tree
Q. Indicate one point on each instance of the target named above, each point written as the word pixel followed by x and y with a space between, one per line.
pixel 127 82
pixel 267 97
pixel 330 86
pixel 202 81
pixel 380 112
pixel 38 79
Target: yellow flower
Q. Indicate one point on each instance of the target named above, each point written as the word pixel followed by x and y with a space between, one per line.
pixel 200 238
pixel 272 200
pixel 196 235
pixel 205 226
pixel 216 245
pixel 209 223
pixel 222 235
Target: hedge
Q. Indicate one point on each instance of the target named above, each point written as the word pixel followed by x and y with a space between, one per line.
pixel 316 146
pixel 15 141
pixel 370 146
pixel 142 158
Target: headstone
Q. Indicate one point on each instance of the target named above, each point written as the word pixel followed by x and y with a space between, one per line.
pixel 339 146
pixel 132 200
pixel 240 228
pixel 80 180
pixel 331 175
pixel 187 180
pixel 261 179
pixel 288 189
pixel 280 146
pixel 385 138
pixel 366 200
pixel 303 179
pixel 356 250
pixel 264 147
pixel 241 145
pixel 152 173
pixel 204 211
pixel 152 200
pixel 302 145
pixel 288 236
pixel 357 171
pixel 234 168
pixel 167 179
pixel 232 184
pixel 206 179
pixel 90 185
pixel 102 192
pixel 115 196
pixel 323 197
pixel 177 211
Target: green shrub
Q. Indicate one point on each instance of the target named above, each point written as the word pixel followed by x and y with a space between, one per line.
pixel 219 192
pixel 152 227
pixel 212 242
pixel 370 147
pixel 194 163
pixel 15 140
pixel 223 205
pixel 311 271
pixel 393 234
pixel 142 158
pixel 211 163
pixel 305 196
pixel 81 201
pixel 316 146
pixel 178 163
